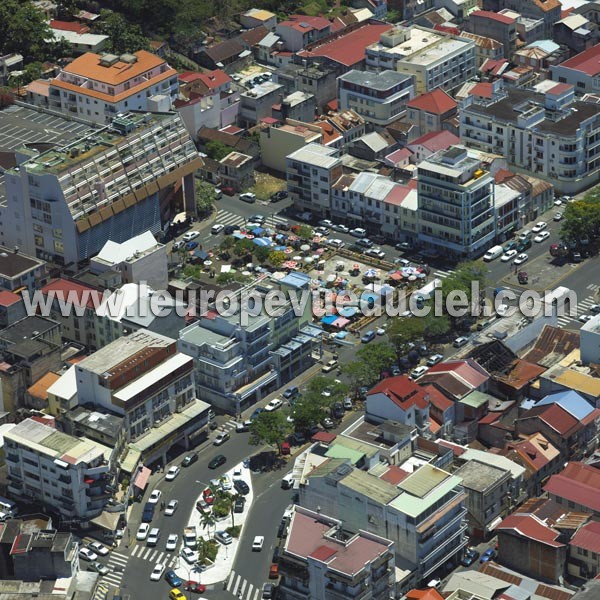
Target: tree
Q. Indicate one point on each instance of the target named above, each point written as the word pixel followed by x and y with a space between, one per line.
pixel 205 197
pixel 271 428
pixel 32 71
pixel 65 9
pixel 207 519
pixel 6 97
pixel 309 410
pixel 217 150
pixel 305 232
pixel 581 220
pixel 123 36
pixel 359 374
pixel 435 327
pixel 465 274
pixel 262 253
pixel 377 357
pixel 228 243
pixel 243 247
pixel 404 331
pixel 277 258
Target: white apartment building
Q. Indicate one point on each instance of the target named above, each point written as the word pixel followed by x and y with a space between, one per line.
pixel 379 98
pixel 549 135
pixel 423 515
pixel 434 59
pixel 456 204
pixel 64 204
pixel 311 171
pixel 256 104
pixel 97 87
pixel 66 473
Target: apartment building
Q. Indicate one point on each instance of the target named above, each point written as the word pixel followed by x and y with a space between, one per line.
pixel 322 560
pixel 584 551
pixel 434 59
pixel 316 79
pixel 499 27
pixel 581 71
pixel 98 87
pixel 256 104
pixel 133 176
pixel 549 135
pixel 280 140
pixel 19 271
pixel 297 31
pixel 236 363
pixel 546 10
pixel 69 474
pixel 431 112
pixel 311 171
pixel 421 513
pixel 297 105
pixel 456 204
pixel 379 98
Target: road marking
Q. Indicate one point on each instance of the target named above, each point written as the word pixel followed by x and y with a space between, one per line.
pixel 237 583
pixel 160 557
pixel 113 578
pixel 250 588
pixel 244 584
pixel 256 593
pixel 119 555
pixel 135 550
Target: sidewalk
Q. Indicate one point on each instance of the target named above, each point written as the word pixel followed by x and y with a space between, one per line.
pixel 226 554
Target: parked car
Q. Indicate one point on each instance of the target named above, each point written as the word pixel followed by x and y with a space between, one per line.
pixel 189 459
pixel 217 228
pixel 459 342
pixel 172 473
pixel 367 337
pixel 340 228
pixel 471 555
pixel 171 508
pixel 434 359
pixel 157 572
pixel 190 235
pixel 291 392
pixel 508 255
pixel 358 232
pixel 142 532
pixel 87 554
pixel 153 537
pixel 375 253
pixel 364 243
pixel 189 555
pixel 221 438
pixel 98 548
pixel 267 591
pixel 274 405
pixel 191 246
pixel 228 190
pixel 558 216
pixel 243 426
pixel 347 403
pixel 274 571
pixel 154 497
pixel 322 230
pixel 335 242
pixel 172 540
pixel 542 236
pixel 238 505
pixel 539 226
pixel 195 586
pixel 178 245
pixel 329 366
pixel 248 197
pixel 512 245
pixel 280 195
pixel 521 258
pixel 173 579
pixel 418 372
pixel 328 423
pixel 223 537
pixel 488 555
pixel 217 461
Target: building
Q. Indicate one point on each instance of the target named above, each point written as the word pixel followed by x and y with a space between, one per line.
pixel 456 204
pixel 485 48
pixel 546 135
pixel 236 170
pixel 433 58
pixel 582 71
pixel 315 79
pixel 575 32
pixel 422 514
pixel 431 143
pixel 499 27
pixel 431 111
pixel 113 184
pixel 280 140
pixel 256 104
pixel 298 31
pixel 69 474
pixel 321 560
pixel 228 53
pixel 98 87
pixel 8 64
pixel 80 42
pixel 12 308
pixel 20 272
pixel 532 547
pixel 461 9
pixel 547 10
pixel 256 17
pixel 486 487
pixel 139 260
pixel 590 341
pixel 378 98
pixel 311 171
pixel 297 105
pixel 237 364
pixel 576 487
pixel 584 552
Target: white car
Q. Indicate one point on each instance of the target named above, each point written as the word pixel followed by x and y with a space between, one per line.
pixel 217 228
pixel 508 255
pixel 542 236
pixel 172 473
pixel 157 572
pixel 539 226
pixel 221 438
pixel 226 483
pixel 558 216
pixel 325 223
pixel 154 497
pixel 380 331
pixel 98 548
pixel 237 474
pixel 502 310
pixel 171 508
pixel 521 258
pixel 340 228
pixel 258 543
pixel 142 532
pixel 172 542
pixel 335 242
pixel 189 555
pixel 585 318
pixel 558 202
pixel 190 235
pixel 248 197
pixel 153 537
pixel 358 232
pixel 87 554
pixel 274 405
pixel 418 372
pixel 434 359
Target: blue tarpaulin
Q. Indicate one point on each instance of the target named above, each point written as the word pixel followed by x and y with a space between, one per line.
pixel 348 311
pixel 258 231
pixel 201 255
pixel 262 241
pixel 328 319
pixel 239 236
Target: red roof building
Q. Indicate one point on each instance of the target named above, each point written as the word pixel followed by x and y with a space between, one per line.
pixel 482 90
pixel 428 594
pixel 578 486
pixel 587 538
pixel 73 26
pixel 398 399
pixel 9 298
pixel 433 142
pixel 488 14
pixel 457 378
pixel 73 292
pixel 587 62
pixel 437 102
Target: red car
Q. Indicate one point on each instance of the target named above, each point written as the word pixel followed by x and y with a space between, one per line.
pixel 209 497
pixel 194 586
pixel 228 190
pixel 274 571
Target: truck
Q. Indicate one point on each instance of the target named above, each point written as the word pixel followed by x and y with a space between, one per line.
pixel 190 537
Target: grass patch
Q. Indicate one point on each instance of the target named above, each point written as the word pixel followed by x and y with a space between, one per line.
pixel 266 185
pixel 234 531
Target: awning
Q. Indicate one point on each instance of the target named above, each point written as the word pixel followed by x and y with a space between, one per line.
pixel 131 460
pixel 239 236
pixel 141 479
pixel 107 520
pixel 329 319
pixel 340 322
pixel 201 254
pixel 494 524
pixel 347 311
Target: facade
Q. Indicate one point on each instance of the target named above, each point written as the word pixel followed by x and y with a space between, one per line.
pixel 549 135
pixel 423 514
pixel 66 473
pixel 378 98
pixel 499 27
pixel 12 308
pixel 584 552
pixel 98 87
pixel 456 204
pixel 236 170
pixel 297 31
pixel 114 184
pixel 582 71
pixel 311 171
pixel 548 10
pixel 576 488
pixel 19 271
pixel 256 104
pixel 280 140
pixel 311 79
pixel 297 105
pixel 322 561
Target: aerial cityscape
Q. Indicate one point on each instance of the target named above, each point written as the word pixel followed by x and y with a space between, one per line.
pixel 300 300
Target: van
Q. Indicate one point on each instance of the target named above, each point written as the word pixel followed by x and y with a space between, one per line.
pixel 525 235
pixel 459 342
pixel 287 483
pixel 493 253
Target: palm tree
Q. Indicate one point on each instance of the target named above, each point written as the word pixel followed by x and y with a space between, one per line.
pixel 234 497
pixel 207 519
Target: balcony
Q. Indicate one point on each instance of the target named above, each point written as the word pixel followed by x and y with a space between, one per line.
pixel 335 594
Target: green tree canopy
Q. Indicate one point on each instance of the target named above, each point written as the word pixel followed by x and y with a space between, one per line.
pixel 271 428
pixel 205 197
pixel 377 357
pixel 217 150
pixel 404 331
pixel 582 219
pixel 359 374
pixel 123 36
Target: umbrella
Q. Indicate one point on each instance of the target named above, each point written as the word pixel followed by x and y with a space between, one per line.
pixel 412 278
pixel 288 250
pixel 320 250
pixel 258 231
pixel 347 311
pixel 309 259
pixel 207 263
pixel 280 248
pixel 239 236
pixel 297 258
pixel 247 273
pixel 305 247
pixel 340 335
pixel 328 319
pixel 370 273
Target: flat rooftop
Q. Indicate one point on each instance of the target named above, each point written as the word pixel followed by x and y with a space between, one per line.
pixel 376 81
pixel 13 264
pixel 478 476
pixel 27 328
pixel 317 155
pixel 419 40
pixel 436 52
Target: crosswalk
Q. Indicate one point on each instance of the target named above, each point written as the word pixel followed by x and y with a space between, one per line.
pixel 154 556
pixel 116 563
pixel 228 218
pixel 230 425
pixel 242 588
pixel 441 274
pixel 583 307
